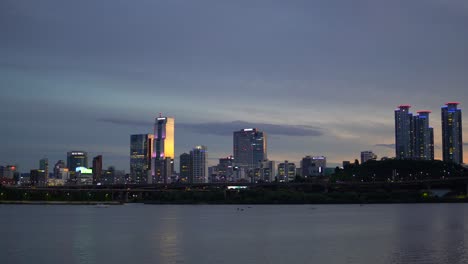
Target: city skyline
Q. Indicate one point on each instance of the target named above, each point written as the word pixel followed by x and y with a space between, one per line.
pixel 316 84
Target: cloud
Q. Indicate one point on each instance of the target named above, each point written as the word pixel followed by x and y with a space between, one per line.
pixel 392 146
pixel 125 122
pixel 226 128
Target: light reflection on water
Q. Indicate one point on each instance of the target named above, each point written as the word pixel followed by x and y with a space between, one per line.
pixel 426 233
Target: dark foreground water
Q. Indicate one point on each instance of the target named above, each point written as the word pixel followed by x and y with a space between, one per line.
pixel 424 233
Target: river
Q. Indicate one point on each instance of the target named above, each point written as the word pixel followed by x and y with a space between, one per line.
pixel 137 233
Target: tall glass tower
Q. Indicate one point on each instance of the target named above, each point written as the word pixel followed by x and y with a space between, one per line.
pixel 250 148
pixel 404 134
pixel 141 149
pixel 163 151
pixel 452 141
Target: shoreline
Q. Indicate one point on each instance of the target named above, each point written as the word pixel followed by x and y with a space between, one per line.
pixel 60 203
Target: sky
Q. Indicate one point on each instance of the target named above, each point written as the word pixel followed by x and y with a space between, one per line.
pixel 320 77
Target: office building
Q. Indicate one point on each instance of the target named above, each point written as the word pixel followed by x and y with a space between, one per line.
pixel 250 148
pixel 404 135
pixel 185 168
pixel 423 137
pixel 97 169
pixel 452 139
pixel 313 166
pixel 163 152
pixel 141 149
pixel 199 158
pixel 367 155
pixel 76 159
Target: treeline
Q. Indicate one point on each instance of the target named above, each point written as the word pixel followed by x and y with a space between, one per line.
pixel 398 170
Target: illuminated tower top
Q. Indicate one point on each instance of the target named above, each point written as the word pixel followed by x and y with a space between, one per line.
pixel 163 138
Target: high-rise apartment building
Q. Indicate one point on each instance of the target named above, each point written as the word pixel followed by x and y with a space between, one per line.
pixel 312 166
pixel 423 137
pixel 404 134
pixel 367 155
pixel 199 168
pixel 141 149
pixel 250 148
pixel 414 138
pixel 452 140
pixel 163 152
pixel 185 168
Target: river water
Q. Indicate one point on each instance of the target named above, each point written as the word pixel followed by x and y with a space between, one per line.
pixel 137 233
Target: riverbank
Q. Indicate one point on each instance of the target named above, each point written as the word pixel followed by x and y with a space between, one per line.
pixel 60 203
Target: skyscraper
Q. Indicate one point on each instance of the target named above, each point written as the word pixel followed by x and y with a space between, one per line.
pixel 452 141
pixel 250 148
pixel 367 155
pixel 404 135
pixel 44 166
pixel 97 169
pixel 185 168
pixel 77 159
pixel 163 152
pixel 141 149
pixel 199 164
pixel 423 137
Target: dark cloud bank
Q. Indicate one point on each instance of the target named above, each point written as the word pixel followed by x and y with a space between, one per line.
pixel 226 128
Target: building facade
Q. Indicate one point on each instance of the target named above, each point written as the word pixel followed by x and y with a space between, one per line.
pixel 423 137
pixel 185 168
pixel 313 166
pixel 403 132
pixel 162 166
pixel 286 171
pixel 141 149
pixel 77 159
pixel 367 155
pixel 452 138
pixel 97 169
pixel 249 148
pixel 199 166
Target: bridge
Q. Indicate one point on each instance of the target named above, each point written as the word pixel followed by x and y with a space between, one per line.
pixel 127 192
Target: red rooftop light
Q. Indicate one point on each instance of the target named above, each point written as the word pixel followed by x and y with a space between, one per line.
pixel 451 103
pixel 424 111
pixel 403 106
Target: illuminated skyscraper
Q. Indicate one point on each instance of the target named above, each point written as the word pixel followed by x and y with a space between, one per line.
pixel 423 137
pixel 141 149
pixel 404 135
pixel 286 171
pixel 452 141
pixel 250 148
pixel 163 151
pixel 77 159
pixel 199 164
